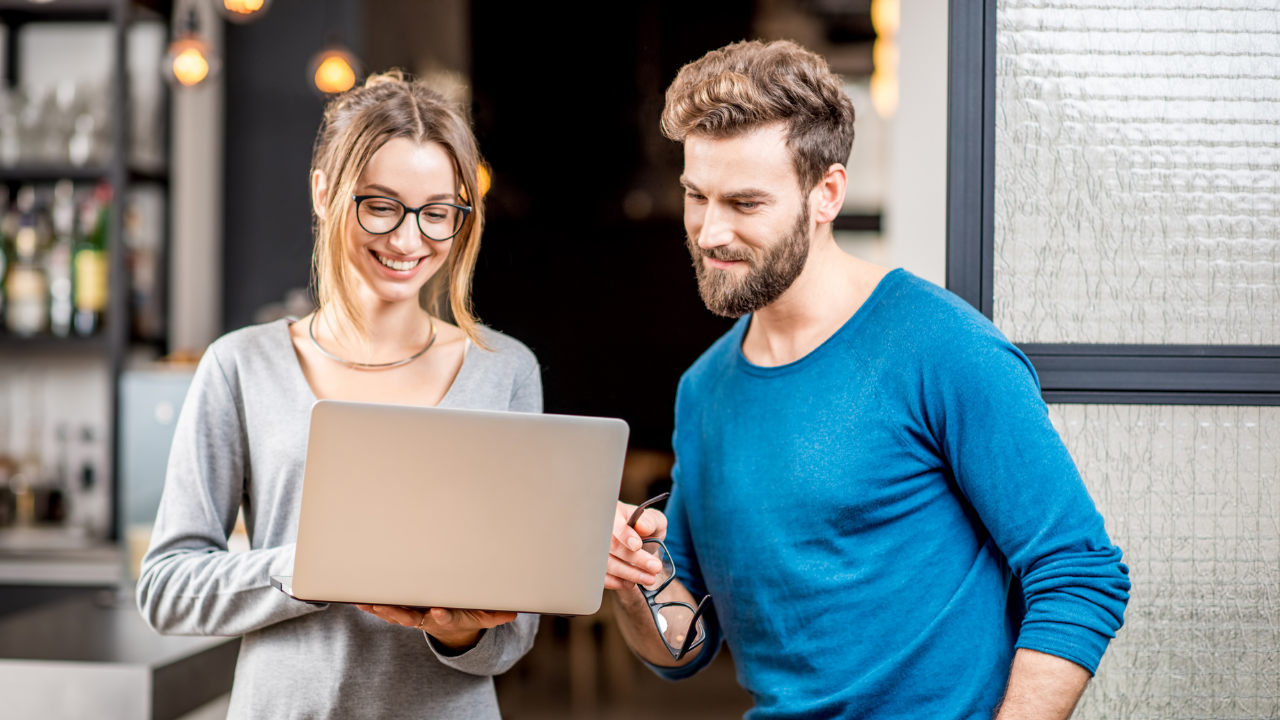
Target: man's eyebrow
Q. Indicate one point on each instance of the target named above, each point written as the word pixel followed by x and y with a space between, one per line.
pixel 750 192
pixel 392 193
pixel 685 182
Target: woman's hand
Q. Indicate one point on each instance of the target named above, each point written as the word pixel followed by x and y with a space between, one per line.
pixel 456 629
pixel 628 564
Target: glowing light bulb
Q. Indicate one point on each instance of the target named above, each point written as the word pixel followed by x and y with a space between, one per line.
pixel 190 61
pixel 242 11
pixel 334 72
pixel 190 67
pixel 482 177
pixel 886 16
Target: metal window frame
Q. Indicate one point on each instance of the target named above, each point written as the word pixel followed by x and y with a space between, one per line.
pixel 1069 373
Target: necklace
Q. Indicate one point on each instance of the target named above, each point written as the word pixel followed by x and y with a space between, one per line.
pixel 311 330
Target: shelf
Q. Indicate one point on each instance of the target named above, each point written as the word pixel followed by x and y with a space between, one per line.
pixel 90 173
pixel 51 345
pixel 51 173
pixel 56 10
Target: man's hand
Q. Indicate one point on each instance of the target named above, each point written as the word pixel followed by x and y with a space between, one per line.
pixel 628 563
pixel 456 629
pixel 1042 687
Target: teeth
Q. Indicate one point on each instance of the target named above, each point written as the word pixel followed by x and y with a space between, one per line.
pixel 407 265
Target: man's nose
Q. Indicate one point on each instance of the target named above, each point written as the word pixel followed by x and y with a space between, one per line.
pixel 717 230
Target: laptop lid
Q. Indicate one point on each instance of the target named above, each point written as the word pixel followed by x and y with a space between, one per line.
pixel 472 509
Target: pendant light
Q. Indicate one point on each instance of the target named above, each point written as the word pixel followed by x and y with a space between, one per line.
pixel 242 11
pixel 190 59
pixel 885 18
pixel 333 70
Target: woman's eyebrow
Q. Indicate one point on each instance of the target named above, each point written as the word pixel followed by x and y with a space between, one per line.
pixel 392 193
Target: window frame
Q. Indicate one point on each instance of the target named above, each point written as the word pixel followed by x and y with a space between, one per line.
pixel 1069 372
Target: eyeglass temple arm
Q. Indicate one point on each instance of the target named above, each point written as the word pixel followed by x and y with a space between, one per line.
pixel 693 627
pixel 635 516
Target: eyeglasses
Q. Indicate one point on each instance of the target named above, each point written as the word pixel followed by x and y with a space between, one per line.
pixel 680 624
pixel 380 215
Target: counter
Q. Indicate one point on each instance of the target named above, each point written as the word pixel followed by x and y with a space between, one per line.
pixel 93 656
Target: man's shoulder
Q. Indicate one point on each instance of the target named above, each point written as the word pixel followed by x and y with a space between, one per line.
pixel 922 320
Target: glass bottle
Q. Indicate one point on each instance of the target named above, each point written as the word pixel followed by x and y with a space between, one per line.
pixel 90 263
pixel 26 289
pixel 61 307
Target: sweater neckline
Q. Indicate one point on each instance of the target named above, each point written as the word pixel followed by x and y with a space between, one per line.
pixel 300 377
pixel 740 333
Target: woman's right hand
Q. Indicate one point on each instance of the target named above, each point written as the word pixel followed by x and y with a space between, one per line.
pixel 628 563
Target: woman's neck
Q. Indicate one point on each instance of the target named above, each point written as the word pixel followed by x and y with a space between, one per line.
pixel 390 329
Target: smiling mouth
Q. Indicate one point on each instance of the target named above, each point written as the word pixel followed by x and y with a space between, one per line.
pixel 399 265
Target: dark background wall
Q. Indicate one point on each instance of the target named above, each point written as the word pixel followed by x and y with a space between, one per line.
pixel 272 114
pixel 583 257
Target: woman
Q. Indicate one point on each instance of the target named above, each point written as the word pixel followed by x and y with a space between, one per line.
pixel 399 217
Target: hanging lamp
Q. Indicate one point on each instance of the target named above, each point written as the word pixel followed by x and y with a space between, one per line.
pixel 191 59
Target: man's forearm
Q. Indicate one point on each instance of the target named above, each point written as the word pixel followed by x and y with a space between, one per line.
pixel 1042 687
pixel 639 630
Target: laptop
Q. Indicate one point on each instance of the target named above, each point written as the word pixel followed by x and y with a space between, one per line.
pixel 472 509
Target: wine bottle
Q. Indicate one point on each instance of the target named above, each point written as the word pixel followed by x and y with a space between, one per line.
pixel 90 263
pixel 26 288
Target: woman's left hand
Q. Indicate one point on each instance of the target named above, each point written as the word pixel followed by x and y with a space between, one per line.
pixel 456 629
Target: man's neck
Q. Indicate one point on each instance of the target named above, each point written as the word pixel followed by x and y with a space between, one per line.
pixel 828 292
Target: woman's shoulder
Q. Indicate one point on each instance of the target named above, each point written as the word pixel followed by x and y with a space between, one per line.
pixel 252 341
pixel 506 350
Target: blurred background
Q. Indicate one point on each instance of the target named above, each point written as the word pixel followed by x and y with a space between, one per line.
pixel 154 195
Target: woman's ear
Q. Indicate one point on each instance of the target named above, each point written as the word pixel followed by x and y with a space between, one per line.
pixel 319 192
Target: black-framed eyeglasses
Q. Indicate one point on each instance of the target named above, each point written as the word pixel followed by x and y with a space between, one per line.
pixel 380 215
pixel 679 623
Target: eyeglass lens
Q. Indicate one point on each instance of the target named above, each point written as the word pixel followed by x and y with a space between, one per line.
pixel 382 215
pixel 656 549
pixel 674 622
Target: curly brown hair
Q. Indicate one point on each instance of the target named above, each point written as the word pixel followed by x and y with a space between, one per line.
pixel 748 84
pixel 356 124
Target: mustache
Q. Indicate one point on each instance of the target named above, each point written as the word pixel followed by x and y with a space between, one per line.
pixel 722 254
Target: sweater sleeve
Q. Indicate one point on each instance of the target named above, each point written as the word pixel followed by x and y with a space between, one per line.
pixel 679 542
pixel 497 650
pixel 992 427
pixel 190 583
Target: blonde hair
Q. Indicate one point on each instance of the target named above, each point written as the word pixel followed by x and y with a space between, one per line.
pixel 748 84
pixel 356 124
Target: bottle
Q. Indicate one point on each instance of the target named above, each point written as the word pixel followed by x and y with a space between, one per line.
pixel 58 265
pixel 26 289
pixel 8 227
pixel 90 263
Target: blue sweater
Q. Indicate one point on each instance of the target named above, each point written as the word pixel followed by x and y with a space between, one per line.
pixel 862 517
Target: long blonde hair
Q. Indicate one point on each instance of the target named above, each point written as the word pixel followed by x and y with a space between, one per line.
pixel 356 124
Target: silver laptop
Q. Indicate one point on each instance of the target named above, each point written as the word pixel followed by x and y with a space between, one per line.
pixel 482 510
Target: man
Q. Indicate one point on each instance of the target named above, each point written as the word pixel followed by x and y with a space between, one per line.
pixel 866 480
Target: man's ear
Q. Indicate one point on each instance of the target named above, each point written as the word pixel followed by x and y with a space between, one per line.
pixel 319 192
pixel 829 194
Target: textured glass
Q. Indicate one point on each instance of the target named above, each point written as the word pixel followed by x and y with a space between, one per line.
pixel 1137 171
pixel 1192 497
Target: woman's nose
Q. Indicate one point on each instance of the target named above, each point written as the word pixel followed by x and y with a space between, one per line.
pixel 407 238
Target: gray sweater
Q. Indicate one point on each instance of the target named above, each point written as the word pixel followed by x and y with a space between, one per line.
pixel 242 441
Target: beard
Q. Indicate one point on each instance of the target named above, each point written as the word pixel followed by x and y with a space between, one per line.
pixel 767 277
